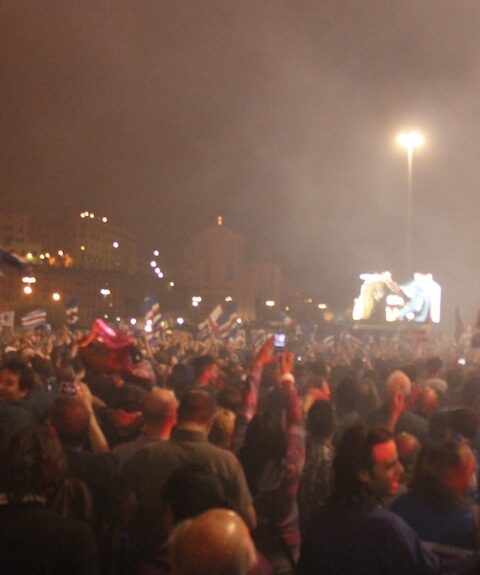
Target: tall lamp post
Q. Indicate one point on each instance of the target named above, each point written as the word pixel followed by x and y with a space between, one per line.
pixel 410 141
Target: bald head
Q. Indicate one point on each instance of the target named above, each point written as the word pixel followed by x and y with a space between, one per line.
pixel 398 381
pixel 216 542
pixel 159 404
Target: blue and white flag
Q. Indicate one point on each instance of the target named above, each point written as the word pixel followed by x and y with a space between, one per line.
pixel 153 317
pixel 7 318
pixel 34 318
pixel 71 309
pixel 220 323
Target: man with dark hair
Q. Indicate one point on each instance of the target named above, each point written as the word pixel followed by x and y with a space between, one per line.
pixel 21 400
pixel 353 533
pixel 435 379
pixel 150 468
pixel 205 373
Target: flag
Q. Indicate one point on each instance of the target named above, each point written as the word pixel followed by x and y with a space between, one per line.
pixel 7 318
pixel 34 318
pixel 220 322
pixel 153 317
pixel 14 260
pixel 71 309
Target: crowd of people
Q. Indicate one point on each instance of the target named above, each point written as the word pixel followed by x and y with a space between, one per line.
pixel 191 457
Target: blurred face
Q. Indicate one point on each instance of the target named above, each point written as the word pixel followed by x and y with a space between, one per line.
pixel 459 479
pixel 10 387
pixel 387 471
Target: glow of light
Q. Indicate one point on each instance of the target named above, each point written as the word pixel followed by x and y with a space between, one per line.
pixel 322 306
pixel 239 320
pixel 270 303
pixel 153 264
pixel 56 296
pixel 92 216
pixel 29 280
pixel 171 284
pixel 42 257
pixel 156 253
pixel 133 321
pixel 394 300
pixel 104 220
pixel 287 308
pixel 60 253
pixel 29 256
pixel 82 215
pixel 115 245
pixel 105 291
pixel 27 290
pixel 180 320
pixel 410 140
pixel 196 298
pixel 228 298
pixel 149 322
pixel 82 248
pixel 105 315
pixel 118 319
pixel 87 214
pixel 47 255
pixel 195 303
pixel 160 275
pixel 148 328
pixel 219 220
pixel 309 300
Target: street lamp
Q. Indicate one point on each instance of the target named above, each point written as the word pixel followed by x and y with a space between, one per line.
pixel 410 141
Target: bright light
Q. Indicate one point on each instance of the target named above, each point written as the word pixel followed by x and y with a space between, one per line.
pixel 195 303
pixel 180 320
pixel 229 298
pixel 196 298
pixel 82 215
pixel 47 255
pixel 287 308
pixel 153 264
pixel 56 296
pixel 239 320
pixel 156 253
pixel 410 140
pixel 118 319
pixel 29 256
pixel 160 275
pixel 158 271
pixel 104 220
pixel 42 257
pixel 82 248
pixel 270 303
pixel 105 291
pixel 60 253
pixel 133 321
pixel 92 216
pixel 149 322
pixel 322 306
pixel 29 280
pixel 115 245
pixel 171 284
pixel 27 290
pixel 148 328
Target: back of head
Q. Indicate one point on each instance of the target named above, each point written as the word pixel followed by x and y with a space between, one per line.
pixel 70 418
pixel 159 405
pixel 216 542
pixel 321 420
pixel 434 365
pixel 35 464
pixel 464 421
pixel 26 375
pixel 197 407
pixel 398 381
pixel 199 364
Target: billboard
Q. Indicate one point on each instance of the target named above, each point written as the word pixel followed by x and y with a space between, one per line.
pixel 381 298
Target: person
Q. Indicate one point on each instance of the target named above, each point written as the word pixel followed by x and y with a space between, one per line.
pixel 435 377
pixel 216 542
pixel 205 373
pixel 34 539
pixel 149 469
pixel 272 456
pixel 437 505
pixel 397 391
pixel 159 412
pixel 353 533
pixel 22 401
pixel 317 475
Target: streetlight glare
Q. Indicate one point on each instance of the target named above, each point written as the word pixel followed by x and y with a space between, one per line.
pixel 410 140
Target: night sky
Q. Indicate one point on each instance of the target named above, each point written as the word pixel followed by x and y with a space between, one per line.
pixel 280 115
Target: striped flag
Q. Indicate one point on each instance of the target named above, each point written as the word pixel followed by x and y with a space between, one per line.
pixel 34 318
pixel 71 309
pixel 14 260
pixel 220 323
